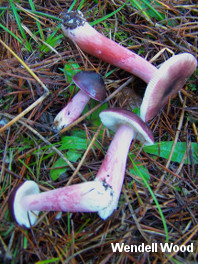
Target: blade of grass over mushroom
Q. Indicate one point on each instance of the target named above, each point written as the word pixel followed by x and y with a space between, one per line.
pixel 154 198
pixel 163 150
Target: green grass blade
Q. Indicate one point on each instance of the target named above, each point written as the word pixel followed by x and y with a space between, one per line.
pixel 154 198
pixel 81 4
pixel 3 11
pixel 109 15
pixel 27 167
pixel 51 42
pixel 139 7
pixel 55 18
pixel 68 224
pixel 37 22
pixel 150 12
pixel 158 15
pixel 27 45
pixel 47 261
pixel 11 33
pixel 72 5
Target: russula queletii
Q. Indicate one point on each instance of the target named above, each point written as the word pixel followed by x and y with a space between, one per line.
pixel 91 85
pixel 26 201
pixel 127 126
pixel 162 83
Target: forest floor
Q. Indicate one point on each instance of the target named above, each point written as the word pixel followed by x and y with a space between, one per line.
pixel 159 199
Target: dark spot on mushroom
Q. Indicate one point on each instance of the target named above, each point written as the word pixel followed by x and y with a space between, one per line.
pixel 170 88
pixel 72 19
pixel 68 113
pixel 106 185
pixel 91 190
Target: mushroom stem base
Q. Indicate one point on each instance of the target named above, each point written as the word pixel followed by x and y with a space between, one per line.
pixel 112 170
pixel 84 197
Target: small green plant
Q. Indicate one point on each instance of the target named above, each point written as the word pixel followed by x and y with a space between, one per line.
pixel 163 150
pixel 69 70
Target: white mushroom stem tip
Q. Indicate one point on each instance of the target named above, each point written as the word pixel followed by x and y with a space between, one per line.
pixel 71 111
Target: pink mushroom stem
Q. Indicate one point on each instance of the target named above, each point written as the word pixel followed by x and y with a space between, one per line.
pixel 84 197
pixel 96 44
pixel 72 110
pixel 112 170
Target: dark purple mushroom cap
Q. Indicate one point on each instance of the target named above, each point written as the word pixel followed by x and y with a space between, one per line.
pixel 168 80
pixel 91 83
pixel 115 117
pixel 22 216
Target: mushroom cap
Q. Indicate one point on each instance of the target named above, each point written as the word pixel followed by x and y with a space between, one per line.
pixel 91 83
pixel 22 216
pixel 167 81
pixel 115 117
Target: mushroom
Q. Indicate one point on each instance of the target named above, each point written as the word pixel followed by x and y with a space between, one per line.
pixel 26 201
pixel 162 83
pixel 91 85
pixel 127 126
pixel 167 81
